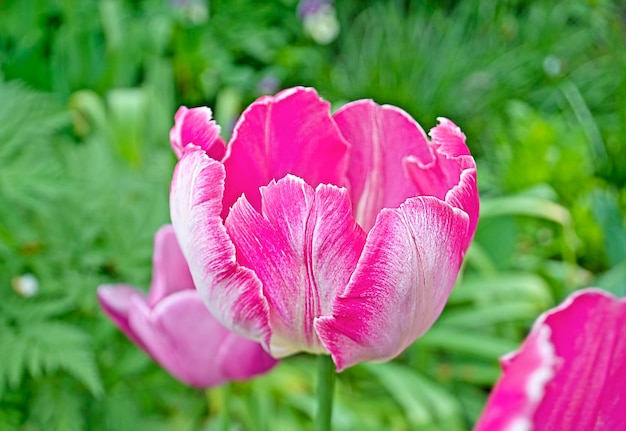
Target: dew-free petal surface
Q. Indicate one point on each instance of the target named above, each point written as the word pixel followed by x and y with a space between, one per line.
pixel 232 293
pixel 449 172
pixel 182 336
pixel 380 138
pixel 586 390
pixel 170 272
pixel 290 133
pixel 401 283
pixel 303 245
pixel 196 126
pixel 115 301
pixel 241 359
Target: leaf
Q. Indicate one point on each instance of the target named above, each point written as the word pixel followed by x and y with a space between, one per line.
pixel 56 408
pixel 63 346
pixel 425 404
pixel 475 343
pixel 503 287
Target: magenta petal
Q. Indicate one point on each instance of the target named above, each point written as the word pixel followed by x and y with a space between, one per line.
pixel 170 272
pixel 115 300
pixel 400 285
pixel 381 137
pixel 290 133
pixel 232 293
pixel 586 390
pixel 513 405
pixel 449 172
pixel 196 126
pixel 182 336
pixel 304 247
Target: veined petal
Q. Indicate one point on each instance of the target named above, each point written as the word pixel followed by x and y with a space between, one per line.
pixel 449 172
pixel 585 391
pixel 232 293
pixel 401 283
pixel 511 408
pixel 182 336
pixel 303 245
pixel 196 126
pixel 170 272
pixel 115 300
pixel 290 133
pixel 381 137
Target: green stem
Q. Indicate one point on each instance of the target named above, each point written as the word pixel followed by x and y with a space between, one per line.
pixel 224 418
pixel 325 390
pixel 217 399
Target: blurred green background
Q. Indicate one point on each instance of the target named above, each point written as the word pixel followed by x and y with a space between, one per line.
pixel 88 90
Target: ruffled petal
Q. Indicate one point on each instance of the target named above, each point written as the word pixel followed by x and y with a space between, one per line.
pixel 518 395
pixel 115 300
pixel 232 293
pixel 401 283
pixel 182 336
pixel 585 391
pixel 170 272
pixel 304 245
pixel 290 133
pixel 448 173
pixel 196 126
pixel 381 137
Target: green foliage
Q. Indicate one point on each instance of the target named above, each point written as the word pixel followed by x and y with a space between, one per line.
pixel 87 95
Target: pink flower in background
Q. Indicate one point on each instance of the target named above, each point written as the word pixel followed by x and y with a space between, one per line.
pixel 569 373
pixel 173 326
pixel 336 234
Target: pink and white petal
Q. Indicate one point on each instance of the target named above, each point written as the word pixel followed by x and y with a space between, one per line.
pixel 232 293
pixel 449 173
pixel 587 393
pixel 170 272
pixel 290 133
pixel 304 247
pixel 115 300
pixel 401 283
pixel 464 195
pixel 182 336
pixel 240 358
pixel 520 390
pixel 381 137
pixel 196 126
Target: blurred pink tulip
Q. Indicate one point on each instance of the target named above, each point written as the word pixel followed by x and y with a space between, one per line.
pixel 173 326
pixel 336 234
pixel 569 373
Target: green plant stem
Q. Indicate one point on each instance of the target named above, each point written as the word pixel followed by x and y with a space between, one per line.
pixel 325 390
pixel 218 399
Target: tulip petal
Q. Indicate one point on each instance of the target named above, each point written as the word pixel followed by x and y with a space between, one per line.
pixel 196 126
pixel 232 293
pixel 241 359
pixel 303 246
pixel 449 172
pixel 381 137
pixel 290 133
pixel 115 300
pixel 170 272
pixel 401 283
pixel 182 336
pixel 516 400
pixel 585 391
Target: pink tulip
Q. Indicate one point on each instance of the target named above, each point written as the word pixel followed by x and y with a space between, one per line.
pixel 336 234
pixel 173 326
pixel 569 373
